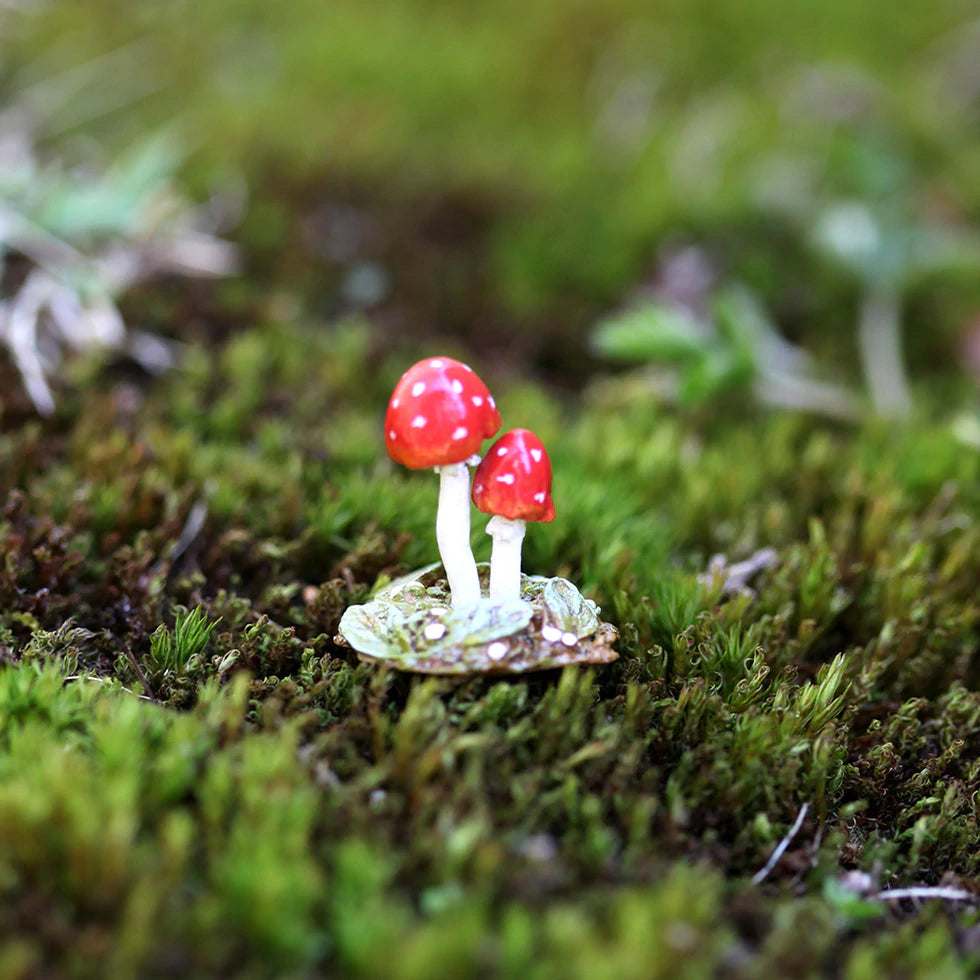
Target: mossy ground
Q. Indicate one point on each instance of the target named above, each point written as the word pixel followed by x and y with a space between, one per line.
pixel 251 800
pixel 263 803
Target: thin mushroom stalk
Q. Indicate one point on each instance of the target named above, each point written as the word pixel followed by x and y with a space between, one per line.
pixel 453 534
pixel 880 346
pixel 505 557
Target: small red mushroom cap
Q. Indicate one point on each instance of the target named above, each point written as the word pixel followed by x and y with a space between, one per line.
pixel 514 479
pixel 439 414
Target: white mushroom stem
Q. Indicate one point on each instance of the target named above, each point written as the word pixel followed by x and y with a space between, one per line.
pixel 880 346
pixel 453 534
pixel 505 557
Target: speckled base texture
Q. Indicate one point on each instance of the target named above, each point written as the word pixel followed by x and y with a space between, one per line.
pixel 410 625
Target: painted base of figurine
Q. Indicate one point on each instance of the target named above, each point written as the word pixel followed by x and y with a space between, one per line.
pixel 410 625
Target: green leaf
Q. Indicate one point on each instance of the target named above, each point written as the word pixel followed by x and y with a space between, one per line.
pixel 717 371
pixel 567 609
pixel 392 588
pixel 653 332
pixel 486 621
pixel 374 629
pixel 851 906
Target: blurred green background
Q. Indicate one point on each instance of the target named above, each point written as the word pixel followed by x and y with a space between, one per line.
pixel 503 173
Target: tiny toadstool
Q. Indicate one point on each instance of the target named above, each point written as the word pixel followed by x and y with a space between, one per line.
pixel 514 484
pixel 439 415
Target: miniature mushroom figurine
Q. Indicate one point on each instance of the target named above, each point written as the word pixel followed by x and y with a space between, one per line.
pixel 513 483
pixel 438 416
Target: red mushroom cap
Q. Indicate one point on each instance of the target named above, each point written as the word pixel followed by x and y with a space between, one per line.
pixel 514 479
pixel 439 414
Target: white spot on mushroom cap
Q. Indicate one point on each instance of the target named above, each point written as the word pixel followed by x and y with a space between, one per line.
pixel 536 455
pixel 395 402
pixel 491 402
pixel 507 478
pixel 419 422
pixel 457 386
pixel 392 434
pixel 434 631
pixel 466 367
pixel 460 432
pixel 436 363
pixel 477 400
pixel 478 488
pixel 497 650
pixel 502 451
pixel 418 388
pixel 569 639
pixel 539 497
pixel 551 633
